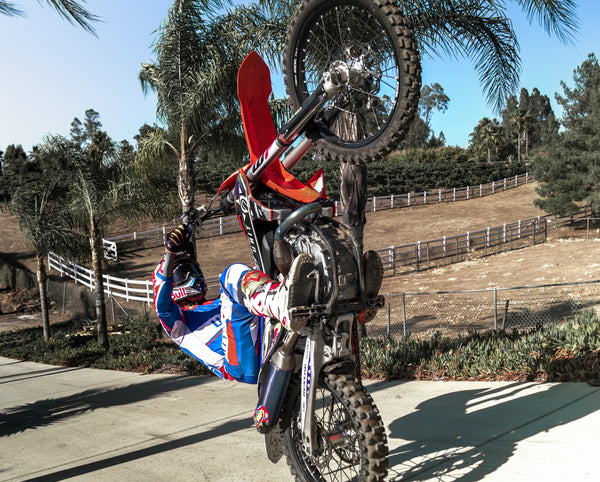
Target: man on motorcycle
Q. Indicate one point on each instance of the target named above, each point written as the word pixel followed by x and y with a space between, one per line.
pixel 224 333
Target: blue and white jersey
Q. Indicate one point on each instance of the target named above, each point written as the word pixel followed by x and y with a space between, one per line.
pixel 222 333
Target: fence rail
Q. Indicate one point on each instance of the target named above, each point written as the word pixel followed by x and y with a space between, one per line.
pixel 450 249
pixel 229 224
pixel 437 196
pixel 128 289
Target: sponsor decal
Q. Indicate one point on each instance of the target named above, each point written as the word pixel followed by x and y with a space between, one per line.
pixel 178 293
pixel 261 415
pixel 306 377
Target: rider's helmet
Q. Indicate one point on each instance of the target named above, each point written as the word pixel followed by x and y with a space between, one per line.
pixel 188 280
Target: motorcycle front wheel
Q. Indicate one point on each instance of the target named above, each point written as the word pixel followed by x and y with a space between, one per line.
pixel 372 37
pixel 351 436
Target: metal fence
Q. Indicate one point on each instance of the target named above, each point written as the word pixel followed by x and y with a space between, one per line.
pixel 451 249
pixel 453 312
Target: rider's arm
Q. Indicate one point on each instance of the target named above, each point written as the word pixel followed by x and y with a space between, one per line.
pixel 162 282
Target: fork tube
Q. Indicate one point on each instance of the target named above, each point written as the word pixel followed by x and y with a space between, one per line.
pixel 296 153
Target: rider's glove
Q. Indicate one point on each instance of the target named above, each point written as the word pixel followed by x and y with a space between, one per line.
pixel 177 239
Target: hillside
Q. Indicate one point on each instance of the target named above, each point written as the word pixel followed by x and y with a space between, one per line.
pixel 549 262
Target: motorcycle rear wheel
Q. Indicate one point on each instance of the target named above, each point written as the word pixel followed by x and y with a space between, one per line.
pixel 353 443
pixel 373 38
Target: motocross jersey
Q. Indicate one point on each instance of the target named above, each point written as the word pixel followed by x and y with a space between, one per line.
pixel 221 333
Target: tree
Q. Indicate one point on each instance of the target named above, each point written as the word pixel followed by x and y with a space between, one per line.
pixel 70 10
pixel 487 133
pixel 567 171
pixel 38 204
pixel 432 98
pixel 520 121
pixel 195 80
pixel 99 191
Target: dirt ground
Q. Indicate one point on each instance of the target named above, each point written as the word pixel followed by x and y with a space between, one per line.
pixel 557 260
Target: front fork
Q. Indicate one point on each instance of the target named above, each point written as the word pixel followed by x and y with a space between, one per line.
pixel 316 355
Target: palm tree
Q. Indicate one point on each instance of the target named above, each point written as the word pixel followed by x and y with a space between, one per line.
pixel 99 196
pixel 38 204
pixel 194 77
pixel 521 121
pixel 70 10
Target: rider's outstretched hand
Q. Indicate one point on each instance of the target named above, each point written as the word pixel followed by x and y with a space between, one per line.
pixel 177 238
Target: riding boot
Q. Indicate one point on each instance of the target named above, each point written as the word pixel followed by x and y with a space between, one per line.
pixel 265 297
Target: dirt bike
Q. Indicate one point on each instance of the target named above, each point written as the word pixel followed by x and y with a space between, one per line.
pixel 352 74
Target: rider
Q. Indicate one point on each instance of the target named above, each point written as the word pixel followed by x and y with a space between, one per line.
pixel 224 333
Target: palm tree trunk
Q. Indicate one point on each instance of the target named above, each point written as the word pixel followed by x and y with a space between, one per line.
pixel 185 184
pixel 353 197
pixel 489 149
pixel 519 147
pixel 41 279
pixel 96 247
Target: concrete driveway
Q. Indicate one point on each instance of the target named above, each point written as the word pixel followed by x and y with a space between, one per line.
pixel 60 423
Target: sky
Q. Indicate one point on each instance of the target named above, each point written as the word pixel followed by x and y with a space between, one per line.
pixel 52 72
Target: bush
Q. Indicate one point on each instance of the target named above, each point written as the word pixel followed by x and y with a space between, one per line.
pixel 137 346
pixel 567 351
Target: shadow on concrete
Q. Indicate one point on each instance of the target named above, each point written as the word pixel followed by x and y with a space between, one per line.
pixel 223 429
pixel 52 410
pixel 468 434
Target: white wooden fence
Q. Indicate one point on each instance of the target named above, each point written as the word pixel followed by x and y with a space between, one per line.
pixel 128 289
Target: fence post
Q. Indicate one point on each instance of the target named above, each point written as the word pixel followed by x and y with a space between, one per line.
pixel 392 201
pixel 454 194
pixel 493 187
pixel 409 199
pixel 424 197
pixel 467 192
pixel 440 195
pixel 374 204
pixel 418 253
pixel 480 190
pixel 392 256
pixel 444 244
pixel 505 184
pixel 388 319
pixel 404 313
pixel 516 180
pixel 495 308
pixel 519 235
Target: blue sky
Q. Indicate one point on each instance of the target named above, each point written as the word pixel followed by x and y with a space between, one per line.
pixel 51 72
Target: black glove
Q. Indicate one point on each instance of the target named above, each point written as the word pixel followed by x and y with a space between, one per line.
pixel 177 239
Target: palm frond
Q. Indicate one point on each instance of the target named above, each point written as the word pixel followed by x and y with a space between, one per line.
pixel 556 17
pixel 9 8
pixel 74 13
